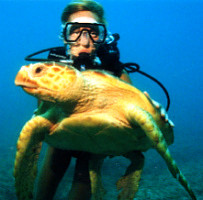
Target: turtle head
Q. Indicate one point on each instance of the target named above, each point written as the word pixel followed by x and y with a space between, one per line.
pixel 49 81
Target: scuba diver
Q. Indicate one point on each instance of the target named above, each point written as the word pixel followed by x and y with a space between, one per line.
pixel 87 45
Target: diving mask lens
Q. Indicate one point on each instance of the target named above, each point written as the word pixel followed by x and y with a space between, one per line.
pixel 73 31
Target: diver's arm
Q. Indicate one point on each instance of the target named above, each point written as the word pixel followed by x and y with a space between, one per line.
pixel 124 76
pixel 55 164
pixel 161 110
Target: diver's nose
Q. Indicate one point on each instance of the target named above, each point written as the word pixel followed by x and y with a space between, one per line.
pixel 85 38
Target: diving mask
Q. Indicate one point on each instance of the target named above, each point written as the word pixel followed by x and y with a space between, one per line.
pixel 73 31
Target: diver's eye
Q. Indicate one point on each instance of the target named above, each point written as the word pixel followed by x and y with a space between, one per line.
pixel 94 34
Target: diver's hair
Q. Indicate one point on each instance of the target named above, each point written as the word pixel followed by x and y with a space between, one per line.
pixel 83 5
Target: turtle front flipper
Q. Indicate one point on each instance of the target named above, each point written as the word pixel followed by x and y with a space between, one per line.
pixel 129 183
pixel 145 120
pixel 28 149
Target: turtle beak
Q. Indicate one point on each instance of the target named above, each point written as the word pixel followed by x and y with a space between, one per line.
pixel 22 79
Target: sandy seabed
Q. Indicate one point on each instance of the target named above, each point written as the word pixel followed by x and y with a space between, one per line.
pixel 156 184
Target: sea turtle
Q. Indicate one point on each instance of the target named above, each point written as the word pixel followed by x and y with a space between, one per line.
pixel 90 111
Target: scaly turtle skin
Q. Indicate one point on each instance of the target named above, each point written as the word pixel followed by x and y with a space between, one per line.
pixel 92 112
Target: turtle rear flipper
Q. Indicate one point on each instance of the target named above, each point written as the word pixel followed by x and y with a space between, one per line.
pixel 152 131
pixel 28 149
pixel 128 184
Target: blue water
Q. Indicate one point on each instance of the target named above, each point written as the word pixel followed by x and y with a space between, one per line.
pixel 164 37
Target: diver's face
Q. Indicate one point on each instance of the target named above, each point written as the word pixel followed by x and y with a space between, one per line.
pixel 84 44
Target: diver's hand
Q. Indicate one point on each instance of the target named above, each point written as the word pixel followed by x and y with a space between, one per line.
pixel 162 111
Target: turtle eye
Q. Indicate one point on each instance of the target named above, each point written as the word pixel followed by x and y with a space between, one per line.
pixel 38 70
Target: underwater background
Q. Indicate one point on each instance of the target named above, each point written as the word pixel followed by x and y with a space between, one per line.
pixel 165 37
